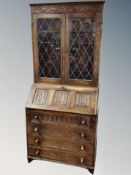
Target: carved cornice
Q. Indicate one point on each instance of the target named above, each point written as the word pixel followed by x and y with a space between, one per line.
pixel 65 9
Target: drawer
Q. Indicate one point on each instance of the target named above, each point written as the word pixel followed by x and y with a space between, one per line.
pixel 60 131
pixel 61 156
pixel 61 144
pixel 40 116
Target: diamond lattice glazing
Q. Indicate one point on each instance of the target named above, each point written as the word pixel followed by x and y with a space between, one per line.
pixel 81 48
pixel 49 47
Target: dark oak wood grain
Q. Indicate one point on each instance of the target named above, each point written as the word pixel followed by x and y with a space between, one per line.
pixel 62 107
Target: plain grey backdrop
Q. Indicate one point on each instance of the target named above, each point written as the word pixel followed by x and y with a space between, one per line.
pixel 16 77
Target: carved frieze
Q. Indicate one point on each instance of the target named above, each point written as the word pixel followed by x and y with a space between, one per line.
pixel 65 9
pixel 65 119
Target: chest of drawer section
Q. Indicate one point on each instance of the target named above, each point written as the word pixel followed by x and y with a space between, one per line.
pixel 71 135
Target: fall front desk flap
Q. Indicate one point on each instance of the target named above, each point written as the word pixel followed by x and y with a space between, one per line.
pixel 64 98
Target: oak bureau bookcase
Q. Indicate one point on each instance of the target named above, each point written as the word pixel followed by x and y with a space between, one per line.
pixel 62 107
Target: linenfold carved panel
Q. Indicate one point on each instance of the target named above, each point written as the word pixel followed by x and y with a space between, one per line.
pixel 61 98
pixel 41 96
pixel 82 100
pixel 64 99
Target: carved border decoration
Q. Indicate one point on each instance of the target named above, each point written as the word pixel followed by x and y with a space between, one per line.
pixel 61 118
pixel 66 9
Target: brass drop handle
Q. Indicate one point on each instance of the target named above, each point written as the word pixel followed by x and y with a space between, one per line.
pixel 35 117
pixel 37 152
pixel 82 160
pixel 83 122
pixel 36 140
pixel 36 129
pixel 82 135
pixel 82 148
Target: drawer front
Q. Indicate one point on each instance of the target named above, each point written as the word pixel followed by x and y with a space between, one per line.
pixel 60 156
pixel 39 116
pixel 61 144
pixel 60 131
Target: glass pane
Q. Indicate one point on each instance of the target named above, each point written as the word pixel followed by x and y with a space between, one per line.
pixel 81 56
pixel 49 47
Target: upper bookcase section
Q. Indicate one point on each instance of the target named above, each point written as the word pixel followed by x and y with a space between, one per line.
pixel 66 42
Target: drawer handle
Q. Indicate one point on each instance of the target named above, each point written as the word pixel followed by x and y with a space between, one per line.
pixel 83 122
pixel 36 129
pixel 82 160
pixel 35 117
pixel 82 135
pixel 82 148
pixel 36 140
pixel 37 152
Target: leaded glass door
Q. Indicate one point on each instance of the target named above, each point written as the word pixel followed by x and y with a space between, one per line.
pixel 48 30
pixel 81 43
